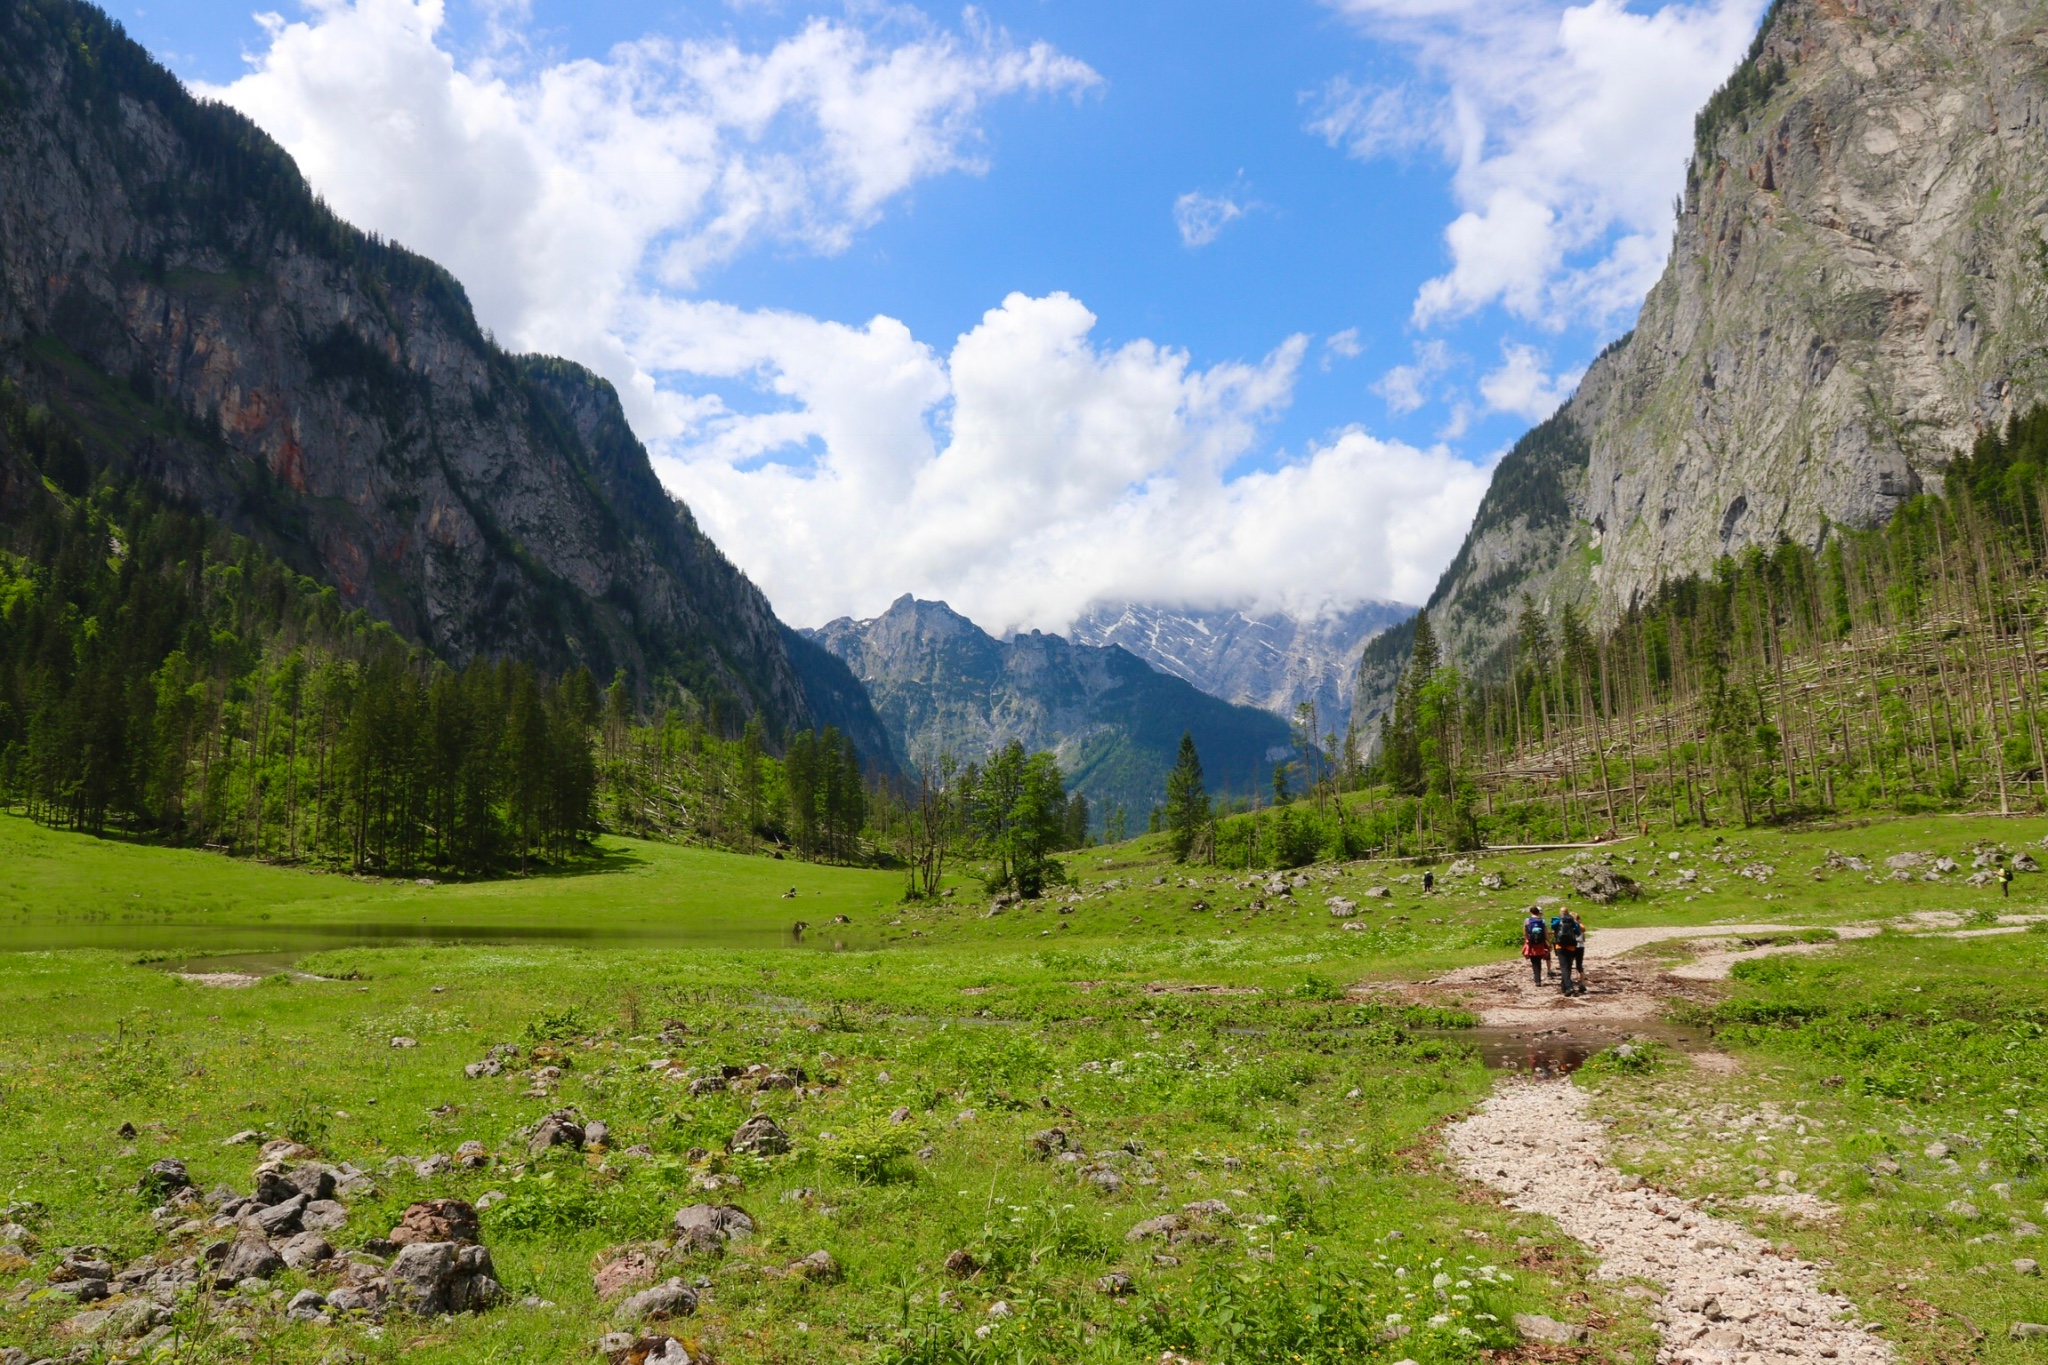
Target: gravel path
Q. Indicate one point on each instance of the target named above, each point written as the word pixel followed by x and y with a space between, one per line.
pixel 1729 1298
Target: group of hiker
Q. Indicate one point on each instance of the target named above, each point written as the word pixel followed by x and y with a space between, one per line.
pixel 1565 937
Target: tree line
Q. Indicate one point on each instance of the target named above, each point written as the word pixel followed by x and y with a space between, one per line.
pixel 1892 669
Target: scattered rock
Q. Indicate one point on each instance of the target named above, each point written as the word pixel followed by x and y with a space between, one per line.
pixel 708 1227
pixel 1116 1284
pixel 2026 1266
pixel 250 1257
pixel 624 1268
pixel 671 1299
pixel 1962 1209
pixel 1601 884
pixel 1379 893
pixel 429 1278
pixel 563 1128
pixel 125 1320
pixel 818 1267
pixel 490 1066
pixel 305 1251
pixel 761 1135
pixel 1902 862
pixel 163 1179
pixel 962 1264
pixel 247 1137
pixel 404 1042
pixel 1539 1328
pixel 1341 908
pixel 1050 1143
pixel 472 1156
pixel 2027 1331
pixel 307 1305
pixel 436 1220
pixel 1164 1226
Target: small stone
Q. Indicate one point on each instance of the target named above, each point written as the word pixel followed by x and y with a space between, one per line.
pixel 1962 1209
pixel 760 1135
pixel 559 1129
pixel 670 1299
pixel 2027 1331
pixel 163 1179
pixel 2026 1265
pixel 251 1257
pixel 818 1266
pixel 306 1306
pixel 404 1042
pixel 472 1156
pixel 709 1227
pixel 596 1134
pixel 1935 1151
pixel 962 1264
pixel 305 1251
pixel 247 1137
pixel 1116 1284
pixel 900 1114
pixel 436 1220
pixel 1539 1328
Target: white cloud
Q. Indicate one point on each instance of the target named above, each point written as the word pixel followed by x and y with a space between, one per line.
pixel 1521 385
pixel 1201 218
pixel 561 195
pixel 1407 387
pixel 1569 127
pixel 1021 475
pixel 1343 345
pixel 1069 474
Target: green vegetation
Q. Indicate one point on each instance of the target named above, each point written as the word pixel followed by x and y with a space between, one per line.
pixel 1899 1081
pixel 1192 1034
pixel 1894 670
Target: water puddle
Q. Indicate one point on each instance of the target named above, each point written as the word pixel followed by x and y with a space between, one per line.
pixel 1561 1051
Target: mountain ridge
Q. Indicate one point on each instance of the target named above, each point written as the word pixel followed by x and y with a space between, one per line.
pixel 945 687
pixel 1858 289
pixel 172 287
pixel 1271 660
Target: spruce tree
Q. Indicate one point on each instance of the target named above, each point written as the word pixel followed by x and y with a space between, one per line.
pixel 1187 801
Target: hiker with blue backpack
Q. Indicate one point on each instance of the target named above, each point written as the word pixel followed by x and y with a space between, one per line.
pixel 1571 952
pixel 1535 944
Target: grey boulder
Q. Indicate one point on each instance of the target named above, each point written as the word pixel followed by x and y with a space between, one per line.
pixel 760 1135
pixel 708 1227
pixel 251 1257
pixel 429 1278
pixel 671 1299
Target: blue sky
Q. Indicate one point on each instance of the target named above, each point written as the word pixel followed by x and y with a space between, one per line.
pixel 1030 305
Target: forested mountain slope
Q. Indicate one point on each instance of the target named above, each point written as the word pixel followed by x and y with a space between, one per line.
pixel 944 686
pixel 173 292
pixel 1858 289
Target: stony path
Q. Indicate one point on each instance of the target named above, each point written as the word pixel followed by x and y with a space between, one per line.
pixel 1729 1298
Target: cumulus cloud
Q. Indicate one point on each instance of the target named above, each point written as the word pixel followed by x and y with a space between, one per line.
pixel 1407 387
pixel 560 194
pixel 1201 218
pixel 1065 474
pixel 1568 126
pixel 1523 387
pixel 1022 474
pixel 1343 345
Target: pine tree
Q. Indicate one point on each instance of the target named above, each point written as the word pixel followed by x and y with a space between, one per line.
pixel 1187 800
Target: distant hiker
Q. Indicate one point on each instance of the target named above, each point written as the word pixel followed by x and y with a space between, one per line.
pixel 1571 952
pixel 1428 882
pixel 2005 879
pixel 1535 944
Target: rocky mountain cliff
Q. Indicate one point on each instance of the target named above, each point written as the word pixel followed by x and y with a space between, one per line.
pixel 1273 661
pixel 170 286
pixel 1857 289
pixel 945 686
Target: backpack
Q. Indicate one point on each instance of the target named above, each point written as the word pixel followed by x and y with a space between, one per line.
pixel 1532 932
pixel 1568 932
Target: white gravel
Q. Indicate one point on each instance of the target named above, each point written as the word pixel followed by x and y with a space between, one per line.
pixel 1729 1298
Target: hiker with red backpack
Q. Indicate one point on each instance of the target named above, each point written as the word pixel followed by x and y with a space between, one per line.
pixel 1571 952
pixel 1535 944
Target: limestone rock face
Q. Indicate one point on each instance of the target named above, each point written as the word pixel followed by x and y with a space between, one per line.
pixel 1857 290
pixel 170 283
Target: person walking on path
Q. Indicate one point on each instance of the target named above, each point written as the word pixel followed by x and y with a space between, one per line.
pixel 1428 882
pixel 2005 880
pixel 1535 944
pixel 1571 952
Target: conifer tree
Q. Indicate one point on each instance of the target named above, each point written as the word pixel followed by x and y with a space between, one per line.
pixel 1187 800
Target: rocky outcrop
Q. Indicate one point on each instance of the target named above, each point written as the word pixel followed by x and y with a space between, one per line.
pixel 1858 288
pixel 942 685
pixel 1272 660
pixel 170 285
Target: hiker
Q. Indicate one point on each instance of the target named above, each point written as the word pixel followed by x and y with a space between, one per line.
pixel 2005 879
pixel 1428 881
pixel 1535 944
pixel 1571 952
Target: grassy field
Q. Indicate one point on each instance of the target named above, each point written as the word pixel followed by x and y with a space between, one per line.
pixel 1196 1046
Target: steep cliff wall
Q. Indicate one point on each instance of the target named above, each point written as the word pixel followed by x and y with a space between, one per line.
pixel 1858 287
pixel 168 282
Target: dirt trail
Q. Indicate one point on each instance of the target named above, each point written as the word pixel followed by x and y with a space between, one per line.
pixel 1728 1296
pixel 1618 990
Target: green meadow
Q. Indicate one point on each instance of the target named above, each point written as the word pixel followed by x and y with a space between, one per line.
pixel 1192 1038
